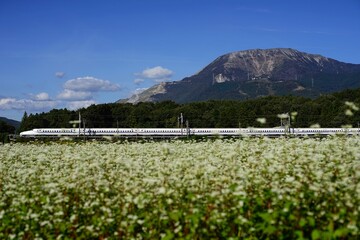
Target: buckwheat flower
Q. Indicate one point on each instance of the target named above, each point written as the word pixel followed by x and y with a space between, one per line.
pixel 283 115
pixel 90 228
pixel 178 229
pixel 261 120
pixel 108 138
pixel 161 190
pixel 289 179
pixel 348 112
pixel 60 213
pixel 45 223
pixel 73 218
pixel 352 106
pixel 293 115
pixel 140 221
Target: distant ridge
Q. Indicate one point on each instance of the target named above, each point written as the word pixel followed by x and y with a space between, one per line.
pixel 11 122
pixel 255 73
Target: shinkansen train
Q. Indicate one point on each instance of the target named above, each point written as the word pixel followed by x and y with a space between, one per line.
pixel 178 132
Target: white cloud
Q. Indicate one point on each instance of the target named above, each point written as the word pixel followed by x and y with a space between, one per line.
pixel 137 81
pixel 41 97
pixel 7 103
pixel 90 84
pixel 74 105
pixel 26 104
pixel 76 93
pixel 59 74
pixel 70 95
pixel 158 74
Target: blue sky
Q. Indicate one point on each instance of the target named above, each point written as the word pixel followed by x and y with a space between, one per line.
pixel 73 53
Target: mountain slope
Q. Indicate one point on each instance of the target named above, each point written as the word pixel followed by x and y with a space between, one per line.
pixel 255 73
pixel 11 122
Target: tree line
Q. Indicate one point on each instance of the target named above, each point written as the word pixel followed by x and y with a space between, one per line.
pixel 332 110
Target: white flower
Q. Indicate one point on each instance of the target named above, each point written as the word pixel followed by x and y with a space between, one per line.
pixel 161 190
pixel 352 106
pixel 261 120
pixel 348 112
pixel 283 115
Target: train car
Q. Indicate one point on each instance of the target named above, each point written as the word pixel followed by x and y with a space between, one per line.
pixel 270 132
pixel 50 132
pixel 178 132
pixel 215 131
pixel 102 132
pixel 162 132
pixel 325 131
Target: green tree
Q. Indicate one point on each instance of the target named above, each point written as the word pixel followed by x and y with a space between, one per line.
pixel 24 122
pixel 5 130
pixel 99 116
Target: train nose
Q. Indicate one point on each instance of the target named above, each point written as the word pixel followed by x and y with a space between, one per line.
pixel 26 133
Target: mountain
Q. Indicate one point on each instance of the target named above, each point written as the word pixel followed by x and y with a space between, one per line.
pixel 11 122
pixel 255 73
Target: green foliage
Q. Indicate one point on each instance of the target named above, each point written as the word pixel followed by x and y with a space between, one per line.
pixel 327 111
pixel 6 128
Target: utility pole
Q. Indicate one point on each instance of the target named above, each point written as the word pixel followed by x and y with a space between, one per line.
pixel 76 122
pixel 289 123
pixel 79 123
pixel 285 121
pixel 117 128
pixel 181 122
pixel 84 121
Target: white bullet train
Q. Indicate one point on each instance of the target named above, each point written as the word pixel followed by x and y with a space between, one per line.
pixel 178 132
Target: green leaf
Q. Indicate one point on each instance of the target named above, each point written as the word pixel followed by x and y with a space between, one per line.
pixel 311 221
pixel 169 235
pixel 265 216
pixel 316 234
pixel 270 229
pixel 299 234
pixel 175 215
pixel 302 222
pixel 340 232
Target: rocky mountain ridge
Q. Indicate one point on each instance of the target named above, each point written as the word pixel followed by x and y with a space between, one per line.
pixel 255 73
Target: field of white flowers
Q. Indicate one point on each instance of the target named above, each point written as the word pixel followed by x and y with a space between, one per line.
pixel 284 188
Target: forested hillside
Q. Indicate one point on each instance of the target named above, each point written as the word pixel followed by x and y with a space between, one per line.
pixel 5 130
pixel 327 111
